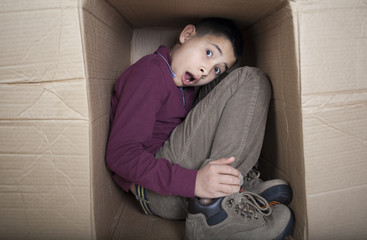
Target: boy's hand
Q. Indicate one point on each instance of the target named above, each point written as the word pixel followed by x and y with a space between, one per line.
pixel 217 179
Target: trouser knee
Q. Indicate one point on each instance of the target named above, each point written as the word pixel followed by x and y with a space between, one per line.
pixel 252 79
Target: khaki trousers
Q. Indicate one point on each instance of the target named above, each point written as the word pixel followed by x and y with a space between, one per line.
pixel 229 121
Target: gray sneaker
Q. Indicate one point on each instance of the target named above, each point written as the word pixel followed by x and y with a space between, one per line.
pixel 274 191
pixel 238 216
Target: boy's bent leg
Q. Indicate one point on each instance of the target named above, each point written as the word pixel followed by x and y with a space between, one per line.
pixel 229 121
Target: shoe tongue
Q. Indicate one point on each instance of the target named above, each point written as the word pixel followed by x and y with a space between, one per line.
pixel 237 197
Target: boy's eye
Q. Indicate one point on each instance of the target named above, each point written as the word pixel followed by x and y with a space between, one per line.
pixel 209 53
pixel 217 70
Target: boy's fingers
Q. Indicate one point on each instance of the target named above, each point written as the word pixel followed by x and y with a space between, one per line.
pixel 229 180
pixel 228 170
pixel 229 189
pixel 223 161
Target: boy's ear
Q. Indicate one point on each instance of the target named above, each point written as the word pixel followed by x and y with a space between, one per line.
pixel 188 32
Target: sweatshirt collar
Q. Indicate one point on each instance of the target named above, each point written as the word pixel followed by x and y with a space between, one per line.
pixel 164 52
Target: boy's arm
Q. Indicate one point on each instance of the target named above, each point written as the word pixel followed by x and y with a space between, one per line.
pixel 132 127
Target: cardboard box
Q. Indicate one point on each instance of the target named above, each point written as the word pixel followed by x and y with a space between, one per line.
pixel 59 60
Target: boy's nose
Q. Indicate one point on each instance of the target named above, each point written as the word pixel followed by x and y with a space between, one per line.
pixel 204 70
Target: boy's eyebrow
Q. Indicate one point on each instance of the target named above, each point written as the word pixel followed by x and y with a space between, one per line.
pixel 218 48
pixel 221 53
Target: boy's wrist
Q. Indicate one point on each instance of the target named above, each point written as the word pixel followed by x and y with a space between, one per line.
pixel 184 182
pixel 133 188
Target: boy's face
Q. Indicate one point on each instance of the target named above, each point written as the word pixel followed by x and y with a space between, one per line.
pixel 199 60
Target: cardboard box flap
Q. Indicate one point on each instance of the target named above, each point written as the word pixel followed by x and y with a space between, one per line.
pixel 168 13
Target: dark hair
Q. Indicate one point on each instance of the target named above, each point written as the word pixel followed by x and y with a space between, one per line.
pixel 224 27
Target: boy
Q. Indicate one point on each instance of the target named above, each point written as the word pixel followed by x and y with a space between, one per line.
pixel 165 156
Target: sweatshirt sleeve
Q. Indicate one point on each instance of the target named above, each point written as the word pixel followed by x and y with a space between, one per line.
pixel 137 104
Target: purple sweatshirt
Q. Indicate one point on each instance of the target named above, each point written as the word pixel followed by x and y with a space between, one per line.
pixel 146 107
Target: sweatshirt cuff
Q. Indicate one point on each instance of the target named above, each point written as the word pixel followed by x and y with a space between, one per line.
pixel 184 182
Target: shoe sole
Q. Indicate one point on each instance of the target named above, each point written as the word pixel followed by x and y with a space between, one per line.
pixel 279 193
pixel 288 230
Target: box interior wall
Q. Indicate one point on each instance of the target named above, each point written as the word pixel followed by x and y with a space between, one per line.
pixel 59 60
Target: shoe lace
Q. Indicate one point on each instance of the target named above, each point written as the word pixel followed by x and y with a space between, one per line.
pixel 252 178
pixel 249 206
pixel 253 174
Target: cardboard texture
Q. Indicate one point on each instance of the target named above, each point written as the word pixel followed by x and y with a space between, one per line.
pixel 334 117
pixel 45 187
pixel 59 60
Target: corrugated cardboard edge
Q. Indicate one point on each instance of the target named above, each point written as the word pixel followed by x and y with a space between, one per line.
pixel 276 44
pixel 106 50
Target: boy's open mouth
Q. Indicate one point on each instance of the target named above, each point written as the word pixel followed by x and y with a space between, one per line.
pixel 188 77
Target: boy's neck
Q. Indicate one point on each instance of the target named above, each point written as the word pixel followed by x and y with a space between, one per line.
pixel 173 49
